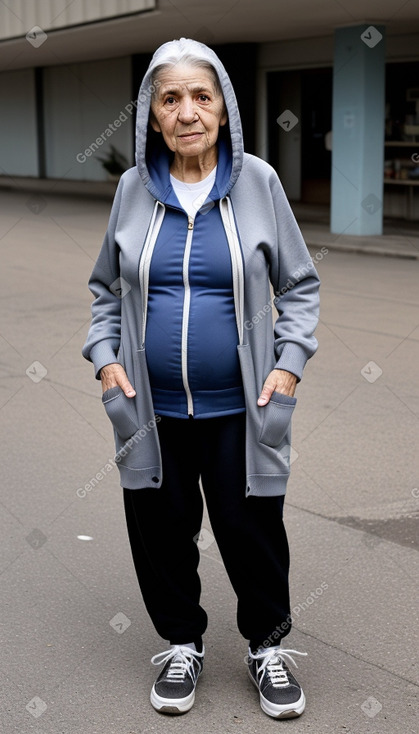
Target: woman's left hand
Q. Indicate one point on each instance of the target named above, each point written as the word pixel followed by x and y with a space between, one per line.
pixel 280 381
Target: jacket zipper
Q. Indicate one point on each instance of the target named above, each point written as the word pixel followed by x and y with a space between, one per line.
pixel 145 260
pixel 185 316
pixel 227 216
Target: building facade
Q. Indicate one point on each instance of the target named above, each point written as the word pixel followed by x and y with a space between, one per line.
pixel 328 95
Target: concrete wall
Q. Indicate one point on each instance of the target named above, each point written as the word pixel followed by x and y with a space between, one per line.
pixel 312 52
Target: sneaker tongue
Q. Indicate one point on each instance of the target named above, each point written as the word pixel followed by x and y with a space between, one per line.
pixel 270 650
pixel 191 645
pixel 178 655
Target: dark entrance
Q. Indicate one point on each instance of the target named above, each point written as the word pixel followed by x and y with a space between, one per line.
pixel 299 154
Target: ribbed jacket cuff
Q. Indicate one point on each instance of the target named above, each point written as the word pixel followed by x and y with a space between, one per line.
pixel 102 354
pixel 293 359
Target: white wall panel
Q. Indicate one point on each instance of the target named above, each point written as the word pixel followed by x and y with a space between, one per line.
pixel 18 142
pixel 81 102
pixel 19 16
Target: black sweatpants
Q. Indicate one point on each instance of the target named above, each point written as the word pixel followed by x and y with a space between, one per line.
pixel 164 525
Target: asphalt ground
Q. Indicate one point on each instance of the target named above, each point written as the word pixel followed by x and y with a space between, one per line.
pixel 76 639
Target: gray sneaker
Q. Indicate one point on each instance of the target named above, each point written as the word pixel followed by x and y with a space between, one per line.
pixel 281 696
pixel 174 690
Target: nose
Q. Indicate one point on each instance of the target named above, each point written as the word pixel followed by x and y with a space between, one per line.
pixel 187 113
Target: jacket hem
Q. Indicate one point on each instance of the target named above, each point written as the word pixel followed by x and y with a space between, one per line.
pixel 149 477
pixel 266 485
pixel 201 416
pixel 206 403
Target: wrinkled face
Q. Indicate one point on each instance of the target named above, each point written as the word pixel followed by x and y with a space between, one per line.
pixel 187 110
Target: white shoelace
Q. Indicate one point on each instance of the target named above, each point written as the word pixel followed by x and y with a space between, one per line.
pixel 272 664
pixel 182 660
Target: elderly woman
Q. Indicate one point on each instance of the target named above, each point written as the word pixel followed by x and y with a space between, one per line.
pixel 198 383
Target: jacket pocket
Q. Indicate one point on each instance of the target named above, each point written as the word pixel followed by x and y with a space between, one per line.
pixel 276 419
pixel 121 411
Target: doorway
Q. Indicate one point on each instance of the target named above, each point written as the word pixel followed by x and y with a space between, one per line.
pixel 297 142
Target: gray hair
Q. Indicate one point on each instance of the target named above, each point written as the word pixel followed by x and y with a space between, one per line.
pixel 186 59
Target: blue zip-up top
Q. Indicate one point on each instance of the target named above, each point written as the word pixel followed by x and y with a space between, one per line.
pixel 191 335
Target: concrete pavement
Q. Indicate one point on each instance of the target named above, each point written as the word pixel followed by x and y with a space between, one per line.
pixel 400 238
pixel 76 640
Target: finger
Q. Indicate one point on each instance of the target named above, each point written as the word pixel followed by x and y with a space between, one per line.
pixel 266 393
pixel 123 382
pixel 115 376
pixel 127 387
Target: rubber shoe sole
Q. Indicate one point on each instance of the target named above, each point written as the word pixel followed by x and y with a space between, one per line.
pixel 171 705
pixel 280 711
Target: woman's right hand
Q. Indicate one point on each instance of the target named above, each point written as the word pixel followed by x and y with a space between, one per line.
pixel 114 374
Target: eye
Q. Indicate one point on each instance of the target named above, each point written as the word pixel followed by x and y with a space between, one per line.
pixel 203 98
pixel 170 100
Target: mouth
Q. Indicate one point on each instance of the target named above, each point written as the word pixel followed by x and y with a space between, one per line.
pixel 190 136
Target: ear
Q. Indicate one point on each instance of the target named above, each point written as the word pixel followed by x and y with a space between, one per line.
pixel 153 121
pixel 224 117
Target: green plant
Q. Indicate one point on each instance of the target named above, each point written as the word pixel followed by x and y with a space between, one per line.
pixel 114 162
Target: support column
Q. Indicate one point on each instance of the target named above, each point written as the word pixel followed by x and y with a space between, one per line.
pixel 358 123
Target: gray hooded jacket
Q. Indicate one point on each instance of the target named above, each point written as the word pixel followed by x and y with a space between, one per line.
pixel 267 251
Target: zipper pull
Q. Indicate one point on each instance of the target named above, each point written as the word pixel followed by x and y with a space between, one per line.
pixel 190 223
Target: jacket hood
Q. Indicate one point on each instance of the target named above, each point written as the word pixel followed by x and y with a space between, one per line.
pixel 152 155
